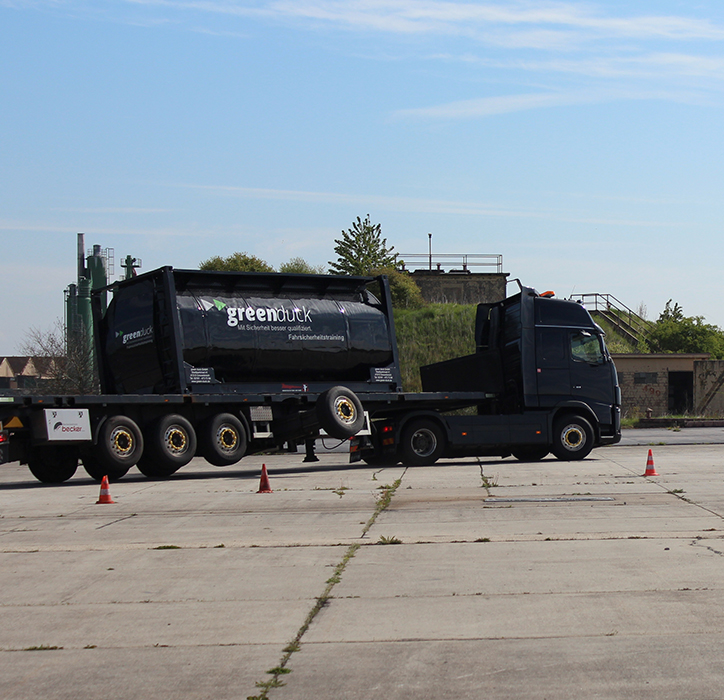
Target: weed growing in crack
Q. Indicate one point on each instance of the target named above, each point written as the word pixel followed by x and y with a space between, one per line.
pixel 489 483
pixel 389 540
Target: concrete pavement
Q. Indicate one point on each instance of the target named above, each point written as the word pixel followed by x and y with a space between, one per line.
pixel 510 580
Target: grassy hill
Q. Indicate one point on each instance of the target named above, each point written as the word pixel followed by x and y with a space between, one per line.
pixel 435 333
pixel 614 341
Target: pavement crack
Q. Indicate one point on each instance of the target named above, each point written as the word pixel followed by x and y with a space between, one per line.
pixel 321 602
pixel 384 498
pixel 487 482
pixel 698 543
pixel 118 520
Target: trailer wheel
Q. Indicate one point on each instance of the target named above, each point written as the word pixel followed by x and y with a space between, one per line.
pixel 340 412
pixel 96 470
pixel 422 442
pixel 572 438
pixel 170 445
pixel 119 447
pixel 53 464
pixel 222 440
pixel 534 453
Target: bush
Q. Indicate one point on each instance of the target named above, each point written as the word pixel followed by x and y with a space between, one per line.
pixel 674 332
pixel 403 290
pixel 236 262
pixel 300 266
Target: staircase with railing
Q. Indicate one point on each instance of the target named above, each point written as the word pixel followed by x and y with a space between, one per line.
pixel 624 321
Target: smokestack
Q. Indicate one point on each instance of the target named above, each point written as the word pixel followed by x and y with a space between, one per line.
pixel 81 256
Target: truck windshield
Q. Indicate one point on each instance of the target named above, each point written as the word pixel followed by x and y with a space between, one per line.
pixel 586 347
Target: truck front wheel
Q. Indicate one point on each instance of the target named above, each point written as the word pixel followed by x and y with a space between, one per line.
pixel 170 445
pixel 422 442
pixel 53 464
pixel 531 453
pixel 572 438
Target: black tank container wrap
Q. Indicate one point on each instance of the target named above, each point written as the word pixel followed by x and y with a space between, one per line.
pixel 237 328
pixel 128 342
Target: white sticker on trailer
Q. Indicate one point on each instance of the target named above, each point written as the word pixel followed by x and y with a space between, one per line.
pixel 67 424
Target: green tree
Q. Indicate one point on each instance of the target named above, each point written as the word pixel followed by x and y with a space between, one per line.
pixel 301 267
pixel 236 262
pixel 361 250
pixel 403 290
pixel 674 332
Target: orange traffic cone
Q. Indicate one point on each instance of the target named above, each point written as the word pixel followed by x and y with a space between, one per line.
pixel 105 496
pixel 264 486
pixel 650 468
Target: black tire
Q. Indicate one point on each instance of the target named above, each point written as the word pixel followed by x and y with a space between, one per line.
pixel 119 447
pixel 53 464
pixel 152 469
pixel 532 453
pixel 170 445
pixel 340 412
pixel 222 440
pixel 572 438
pixel 422 442
pixel 384 460
pixel 97 471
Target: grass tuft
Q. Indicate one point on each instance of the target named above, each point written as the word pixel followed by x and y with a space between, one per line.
pixel 389 540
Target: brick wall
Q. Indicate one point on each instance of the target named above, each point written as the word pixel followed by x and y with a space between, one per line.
pixel 643 390
pixel 460 288
pixel 644 380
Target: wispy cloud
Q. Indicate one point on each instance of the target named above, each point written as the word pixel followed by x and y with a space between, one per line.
pixel 427 206
pixel 615 54
pixel 115 210
pixel 642 65
pixel 62 228
pixel 532 23
pixel 439 16
pixel 490 106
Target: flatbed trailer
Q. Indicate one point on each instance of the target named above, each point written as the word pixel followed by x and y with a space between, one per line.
pixel 222 365
pixel 51 433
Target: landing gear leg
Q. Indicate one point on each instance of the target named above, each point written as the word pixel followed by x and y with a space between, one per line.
pixel 309 447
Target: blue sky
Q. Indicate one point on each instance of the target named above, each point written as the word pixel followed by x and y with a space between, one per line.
pixel 583 141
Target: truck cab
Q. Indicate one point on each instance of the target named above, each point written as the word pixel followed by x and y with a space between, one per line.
pixel 573 367
pixel 548 379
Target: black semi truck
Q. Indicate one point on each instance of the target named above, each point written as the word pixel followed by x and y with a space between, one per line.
pixel 221 365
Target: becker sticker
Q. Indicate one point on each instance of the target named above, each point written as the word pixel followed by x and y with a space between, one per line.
pixel 63 424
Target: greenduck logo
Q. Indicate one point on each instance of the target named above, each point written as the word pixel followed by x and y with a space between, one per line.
pixel 207 305
pixel 139 337
pixel 259 314
pixel 267 315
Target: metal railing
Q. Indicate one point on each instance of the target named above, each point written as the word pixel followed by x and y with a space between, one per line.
pixel 453 262
pixel 624 320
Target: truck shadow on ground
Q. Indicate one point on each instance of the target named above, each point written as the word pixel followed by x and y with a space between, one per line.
pixel 252 474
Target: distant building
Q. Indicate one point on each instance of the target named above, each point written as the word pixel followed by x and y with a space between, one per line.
pixel 670 384
pixel 22 372
pixel 448 278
